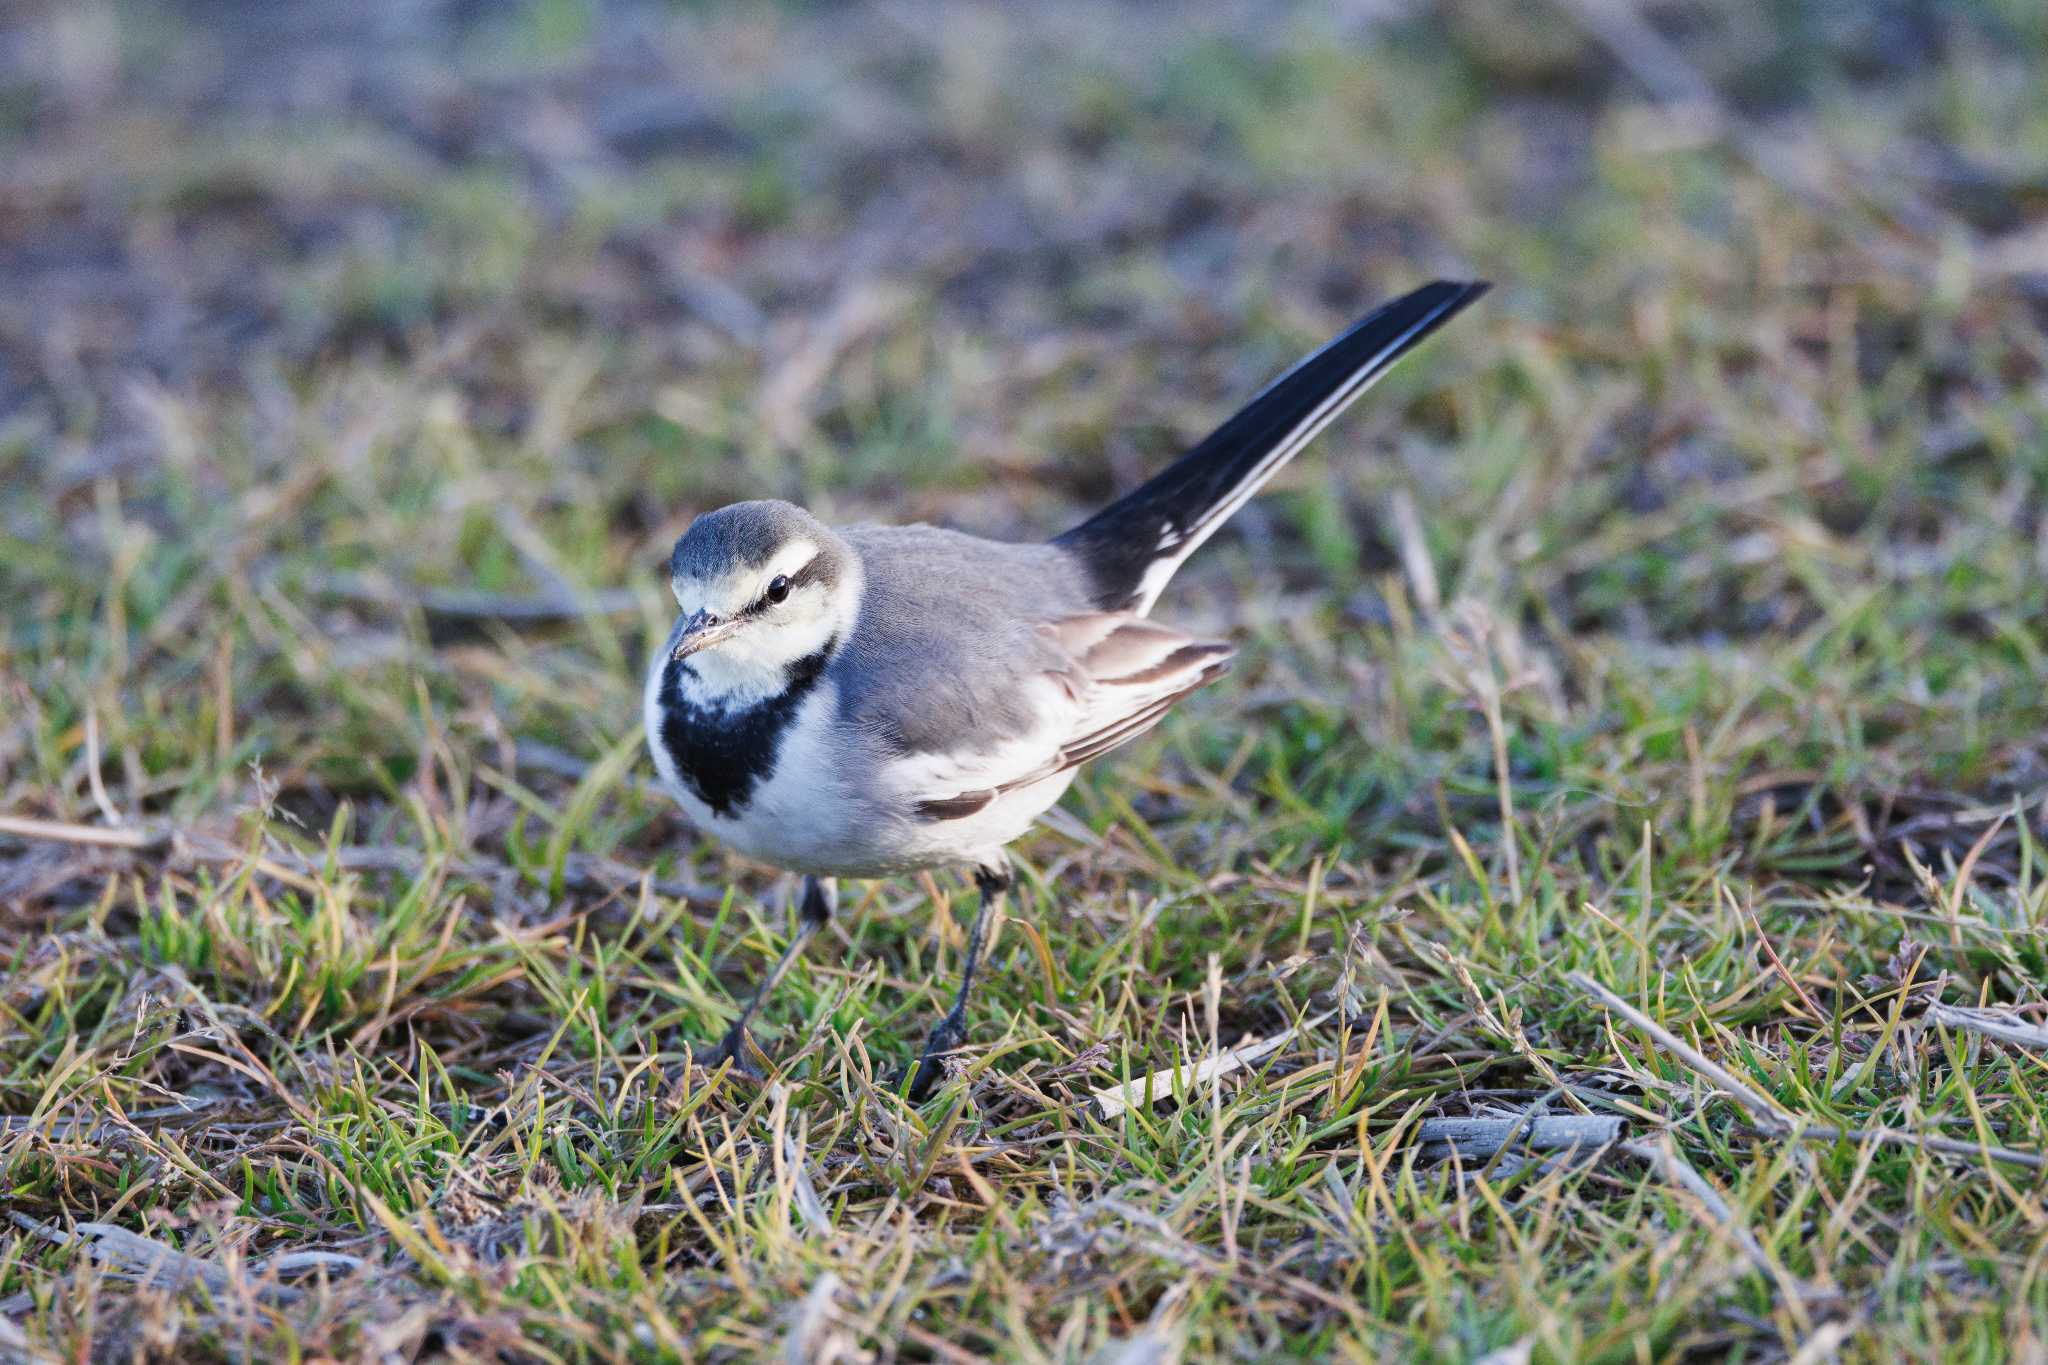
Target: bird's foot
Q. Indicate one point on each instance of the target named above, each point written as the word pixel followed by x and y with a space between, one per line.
pixel 950 1033
pixel 734 1048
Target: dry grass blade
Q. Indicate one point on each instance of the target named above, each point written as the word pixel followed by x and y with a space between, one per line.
pixel 1112 1100
pixel 813 1334
pixel 93 836
pixel 1414 545
pixel 1661 1156
pixel 797 1170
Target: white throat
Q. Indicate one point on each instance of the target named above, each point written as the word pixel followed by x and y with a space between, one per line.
pixel 745 671
pixel 753 665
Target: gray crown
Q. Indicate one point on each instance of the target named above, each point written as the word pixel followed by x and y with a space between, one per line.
pixel 746 535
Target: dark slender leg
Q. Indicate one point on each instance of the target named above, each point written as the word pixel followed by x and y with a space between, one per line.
pixel 992 883
pixel 815 910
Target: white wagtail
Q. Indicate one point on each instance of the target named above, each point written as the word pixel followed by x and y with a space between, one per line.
pixel 872 700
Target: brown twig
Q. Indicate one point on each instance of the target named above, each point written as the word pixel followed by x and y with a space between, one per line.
pixel 1770 951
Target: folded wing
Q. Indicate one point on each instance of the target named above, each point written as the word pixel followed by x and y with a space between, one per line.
pixel 1119 675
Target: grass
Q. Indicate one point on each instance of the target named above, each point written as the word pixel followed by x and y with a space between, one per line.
pixel 1673 627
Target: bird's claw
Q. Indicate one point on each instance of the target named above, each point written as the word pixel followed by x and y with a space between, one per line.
pixel 931 1066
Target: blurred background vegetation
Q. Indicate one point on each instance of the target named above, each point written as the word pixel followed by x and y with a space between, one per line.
pixel 359 363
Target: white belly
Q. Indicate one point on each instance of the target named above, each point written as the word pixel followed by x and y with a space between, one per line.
pixel 976 838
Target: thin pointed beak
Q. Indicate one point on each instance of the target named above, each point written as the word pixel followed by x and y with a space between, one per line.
pixel 701 632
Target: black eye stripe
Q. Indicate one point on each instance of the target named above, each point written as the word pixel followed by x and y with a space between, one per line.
pixel 790 583
pixel 812 572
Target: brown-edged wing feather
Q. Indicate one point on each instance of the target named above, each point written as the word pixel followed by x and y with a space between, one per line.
pixel 1120 674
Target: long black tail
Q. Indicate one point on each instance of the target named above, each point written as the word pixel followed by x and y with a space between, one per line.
pixel 1133 546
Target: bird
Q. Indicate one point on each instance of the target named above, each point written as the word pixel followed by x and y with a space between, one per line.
pixel 875 700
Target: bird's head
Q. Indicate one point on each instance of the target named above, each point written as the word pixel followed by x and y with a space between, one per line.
pixel 761 585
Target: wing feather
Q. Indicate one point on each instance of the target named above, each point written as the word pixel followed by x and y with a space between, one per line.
pixel 1121 673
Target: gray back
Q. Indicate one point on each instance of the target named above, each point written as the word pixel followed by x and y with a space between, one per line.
pixel 947 632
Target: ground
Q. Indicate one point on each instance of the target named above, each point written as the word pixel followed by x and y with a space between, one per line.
pixel 1638 730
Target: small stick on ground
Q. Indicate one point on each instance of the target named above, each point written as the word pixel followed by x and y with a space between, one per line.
pixel 1477 1138
pixel 1774 1122
pixel 460 604
pixel 147 1262
pixel 1997 1024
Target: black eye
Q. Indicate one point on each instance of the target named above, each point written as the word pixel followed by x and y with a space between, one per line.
pixel 779 589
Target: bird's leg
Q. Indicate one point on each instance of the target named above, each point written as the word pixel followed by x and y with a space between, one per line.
pixel 991 883
pixel 812 914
